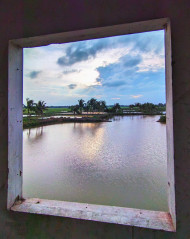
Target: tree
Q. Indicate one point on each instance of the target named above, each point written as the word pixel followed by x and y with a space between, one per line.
pixel 29 105
pixel 131 106
pixel 160 105
pixel 148 108
pixel 75 109
pixel 103 106
pixel 137 104
pixel 116 108
pixel 92 103
pixel 40 107
pixel 81 105
pixel 86 107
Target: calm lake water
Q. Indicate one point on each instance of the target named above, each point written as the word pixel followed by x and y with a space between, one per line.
pixel 120 163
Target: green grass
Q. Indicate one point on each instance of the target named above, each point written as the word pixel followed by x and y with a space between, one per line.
pixel 57 110
pixel 50 111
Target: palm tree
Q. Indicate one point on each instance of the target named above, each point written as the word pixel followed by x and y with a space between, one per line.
pixel 92 104
pixel 81 105
pixel 75 109
pixel 86 107
pixel 40 108
pixel 29 105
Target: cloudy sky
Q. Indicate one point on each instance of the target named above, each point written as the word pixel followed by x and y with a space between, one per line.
pixel 122 69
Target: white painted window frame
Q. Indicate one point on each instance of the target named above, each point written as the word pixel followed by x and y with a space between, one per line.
pixel 111 214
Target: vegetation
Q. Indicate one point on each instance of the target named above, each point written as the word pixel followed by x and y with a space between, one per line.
pixel 81 105
pixel 29 122
pixel 162 119
pixel 29 105
pixel 37 108
pixel 148 108
pixel 92 110
pixel 40 108
pixel 76 109
pixel 93 105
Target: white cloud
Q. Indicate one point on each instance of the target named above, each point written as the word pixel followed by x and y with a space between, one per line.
pixel 83 73
pixel 151 62
pixel 136 96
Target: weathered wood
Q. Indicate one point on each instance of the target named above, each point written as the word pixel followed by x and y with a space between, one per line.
pixel 109 214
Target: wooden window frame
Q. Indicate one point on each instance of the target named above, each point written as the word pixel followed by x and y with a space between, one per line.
pixel 110 214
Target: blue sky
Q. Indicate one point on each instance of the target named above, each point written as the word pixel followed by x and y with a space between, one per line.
pixel 122 69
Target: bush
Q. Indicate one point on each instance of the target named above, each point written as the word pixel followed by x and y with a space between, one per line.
pixel 162 119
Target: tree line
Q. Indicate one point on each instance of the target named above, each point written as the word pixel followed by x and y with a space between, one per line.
pixel 148 107
pixel 93 105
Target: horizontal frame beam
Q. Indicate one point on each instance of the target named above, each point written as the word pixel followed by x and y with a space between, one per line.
pixel 109 214
pixel 92 33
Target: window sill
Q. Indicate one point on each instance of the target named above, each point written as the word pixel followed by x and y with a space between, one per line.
pixel 110 214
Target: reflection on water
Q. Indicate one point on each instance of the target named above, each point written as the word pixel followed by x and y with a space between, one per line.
pixel 34 135
pixel 121 163
pixel 93 142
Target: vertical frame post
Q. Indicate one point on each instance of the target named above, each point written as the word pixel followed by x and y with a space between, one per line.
pixel 15 128
pixel 169 124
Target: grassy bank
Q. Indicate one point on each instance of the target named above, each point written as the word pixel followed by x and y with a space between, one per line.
pixel 162 119
pixel 29 122
pixel 50 111
pixel 34 121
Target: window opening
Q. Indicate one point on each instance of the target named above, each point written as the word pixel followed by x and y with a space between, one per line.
pixel 106 68
pixel 99 131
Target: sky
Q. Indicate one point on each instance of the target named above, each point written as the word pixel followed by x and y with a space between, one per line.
pixel 122 69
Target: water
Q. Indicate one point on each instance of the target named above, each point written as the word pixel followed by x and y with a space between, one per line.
pixel 118 163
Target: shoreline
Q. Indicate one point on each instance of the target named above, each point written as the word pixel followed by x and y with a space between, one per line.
pixel 31 123
pixel 36 122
